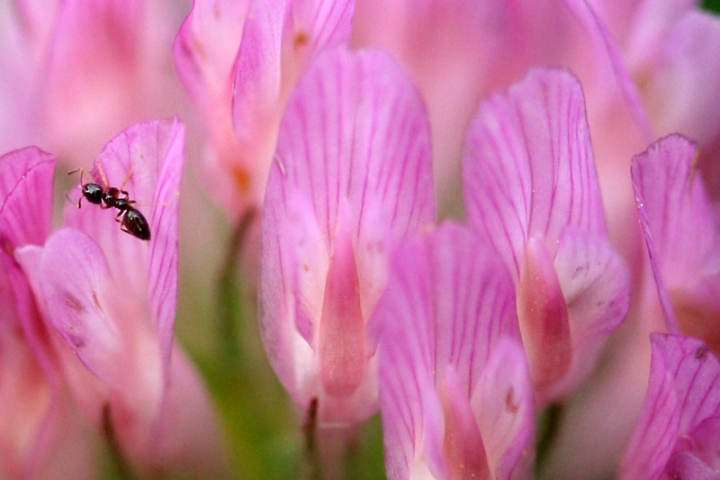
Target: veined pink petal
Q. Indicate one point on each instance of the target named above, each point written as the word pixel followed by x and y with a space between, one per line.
pixel 146 160
pixel 279 38
pixel 654 437
pixel 528 166
pixel 28 382
pixel 596 286
pixel 608 50
pixel 205 47
pixel 351 175
pixel 681 412
pixel 505 410
pixel 25 197
pixel 204 51
pixel 531 191
pixel 133 384
pixel 111 296
pixel 444 323
pixel 681 233
pixel 82 301
pixel 257 73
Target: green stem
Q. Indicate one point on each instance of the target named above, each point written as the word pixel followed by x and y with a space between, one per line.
pixel 118 467
pixel 228 297
pixel 309 429
pixel 549 429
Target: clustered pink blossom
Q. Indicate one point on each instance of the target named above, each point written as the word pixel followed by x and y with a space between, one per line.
pixel 496 225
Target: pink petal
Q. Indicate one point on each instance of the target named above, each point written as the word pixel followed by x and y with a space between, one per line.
pixel 163 268
pixel 528 166
pixel 473 302
pixel 682 401
pixel 544 322
pixel 683 84
pixel 672 202
pixel 26 178
pixel 326 23
pixel 505 411
pixel 28 383
pixel 463 449
pixel 341 346
pixel 655 434
pixel 529 181
pixel 186 444
pixel 146 160
pixel 205 47
pixel 351 174
pixel 447 305
pixel 279 38
pixel 257 74
pixel 684 87
pixel 81 299
pixel 122 371
pixel 706 442
pixel 596 286
pixel 687 465
pixel 25 197
pixel 108 62
pixel 28 402
pixel 607 49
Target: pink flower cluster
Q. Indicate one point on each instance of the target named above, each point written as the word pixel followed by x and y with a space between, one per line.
pixel 473 214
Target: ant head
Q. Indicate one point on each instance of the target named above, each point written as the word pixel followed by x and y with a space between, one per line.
pixel 92 192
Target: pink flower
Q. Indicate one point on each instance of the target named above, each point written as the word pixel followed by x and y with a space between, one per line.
pixel 681 232
pixel 455 391
pixel 531 191
pixel 460 52
pixel 669 50
pixel 239 61
pixel 81 71
pixel 108 303
pixel 40 431
pixel 678 435
pixel 351 176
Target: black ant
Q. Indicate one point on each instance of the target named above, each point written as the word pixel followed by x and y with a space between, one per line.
pixel 130 219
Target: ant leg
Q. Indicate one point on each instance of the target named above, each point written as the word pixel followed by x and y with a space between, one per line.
pixel 71 200
pixel 79 169
pixel 117 217
pixel 103 177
